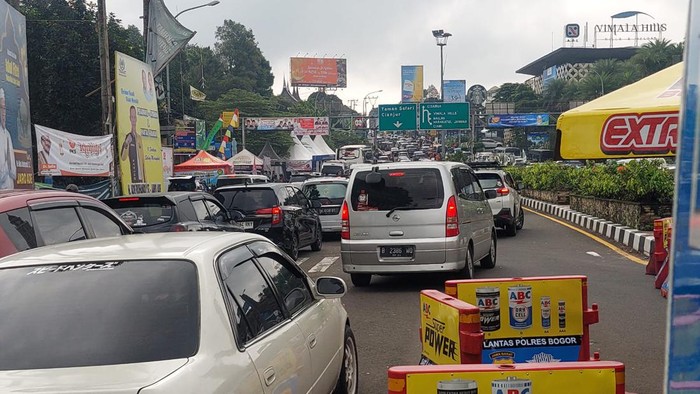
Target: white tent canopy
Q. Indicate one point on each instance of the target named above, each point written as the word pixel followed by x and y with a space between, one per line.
pixel 311 146
pixel 322 146
pixel 298 157
pixel 245 158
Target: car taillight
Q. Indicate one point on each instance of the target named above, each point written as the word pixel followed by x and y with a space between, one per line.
pixel 503 191
pixel 344 221
pixel 176 228
pixel 275 212
pixel 451 218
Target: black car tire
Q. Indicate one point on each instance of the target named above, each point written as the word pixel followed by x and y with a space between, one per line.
pixel 348 381
pixel 520 222
pixel 361 280
pixel 489 261
pixel 318 243
pixel 468 271
pixel 293 249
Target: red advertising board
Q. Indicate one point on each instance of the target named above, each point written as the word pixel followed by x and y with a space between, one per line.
pixel 318 72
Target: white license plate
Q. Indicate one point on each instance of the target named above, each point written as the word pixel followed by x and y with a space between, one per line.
pixel 247 225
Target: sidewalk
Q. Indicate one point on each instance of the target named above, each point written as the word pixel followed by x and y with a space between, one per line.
pixel 639 241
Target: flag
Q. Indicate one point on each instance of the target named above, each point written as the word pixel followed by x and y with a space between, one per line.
pixel 234 120
pixel 225 140
pixel 214 130
pixel 196 95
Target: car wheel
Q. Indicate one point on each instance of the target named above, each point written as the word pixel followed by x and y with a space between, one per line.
pixel 490 260
pixel 318 243
pixel 293 249
pixel 511 229
pixel 348 379
pixel 361 280
pixel 468 271
pixel 521 219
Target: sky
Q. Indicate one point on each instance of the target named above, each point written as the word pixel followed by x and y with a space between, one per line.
pixel 490 39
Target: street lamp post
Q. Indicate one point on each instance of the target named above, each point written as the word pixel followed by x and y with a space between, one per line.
pixel 167 66
pixel 602 88
pixel 364 101
pixel 441 39
pixel 374 132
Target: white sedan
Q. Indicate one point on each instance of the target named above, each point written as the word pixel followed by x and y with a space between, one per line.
pixel 171 313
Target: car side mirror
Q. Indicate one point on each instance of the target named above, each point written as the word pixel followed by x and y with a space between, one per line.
pixel 519 185
pixel 316 204
pixel 491 194
pixel 330 287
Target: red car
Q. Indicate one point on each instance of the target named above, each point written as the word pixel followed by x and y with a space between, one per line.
pixel 33 218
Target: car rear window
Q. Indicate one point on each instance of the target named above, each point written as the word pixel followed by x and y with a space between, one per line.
pixel 326 193
pixel 489 181
pixel 332 170
pixel 247 199
pixel 231 181
pixel 416 188
pixel 98 313
pixel 142 212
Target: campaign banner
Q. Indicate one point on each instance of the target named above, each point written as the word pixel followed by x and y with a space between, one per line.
pixel 411 84
pixel 455 91
pixel 16 168
pixel 518 120
pixel 65 154
pixel 299 125
pixel 138 128
pixel 530 320
pixel 318 72
pixel 167 163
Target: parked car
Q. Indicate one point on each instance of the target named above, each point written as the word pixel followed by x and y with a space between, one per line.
pixel 421 216
pixel 155 313
pixel 506 207
pixel 279 211
pixel 330 194
pixel 240 179
pixel 173 211
pixel 33 218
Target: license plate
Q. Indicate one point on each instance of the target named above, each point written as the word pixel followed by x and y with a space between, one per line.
pixel 247 225
pixel 397 251
pixel 328 211
pixel 425 361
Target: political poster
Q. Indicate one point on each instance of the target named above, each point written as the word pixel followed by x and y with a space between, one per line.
pixel 411 84
pixel 138 128
pixel 167 164
pixel 299 125
pixel 65 154
pixel 16 168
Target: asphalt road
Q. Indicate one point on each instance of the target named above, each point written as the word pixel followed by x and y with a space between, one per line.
pixel 385 316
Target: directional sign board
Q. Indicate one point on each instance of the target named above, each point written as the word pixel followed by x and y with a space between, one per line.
pixel 441 116
pixel 397 117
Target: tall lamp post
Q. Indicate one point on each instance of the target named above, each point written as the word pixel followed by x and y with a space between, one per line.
pixel 441 37
pixel 364 101
pixel 374 132
pixel 602 88
pixel 167 66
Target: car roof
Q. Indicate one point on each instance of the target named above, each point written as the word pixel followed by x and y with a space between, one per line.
pixel 325 180
pixel 270 185
pixel 174 195
pixel 184 245
pixel 408 164
pixel 242 176
pixel 15 198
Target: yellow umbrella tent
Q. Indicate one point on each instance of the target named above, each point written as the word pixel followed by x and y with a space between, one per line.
pixel 638 120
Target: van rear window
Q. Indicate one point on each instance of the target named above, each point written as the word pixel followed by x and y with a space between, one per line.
pixel 417 188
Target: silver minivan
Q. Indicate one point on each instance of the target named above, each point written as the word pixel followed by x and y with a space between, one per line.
pixel 415 217
pixel 329 193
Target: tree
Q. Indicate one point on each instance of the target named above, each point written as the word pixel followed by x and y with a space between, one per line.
pixel 525 99
pixel 656 55
pixel 244 64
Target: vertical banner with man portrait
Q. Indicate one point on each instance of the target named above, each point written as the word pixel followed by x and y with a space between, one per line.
pixel 16 169
pixel 138 128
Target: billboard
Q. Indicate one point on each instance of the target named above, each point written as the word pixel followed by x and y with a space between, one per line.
pixel 319 72
pixel 518 120
pixel 16 169
pixel 538 139
pixel 138 128
pixel 455 91
pixel 64 154
pixel 411 84
pixel 548 75
pixel 300 125
pixel 185 137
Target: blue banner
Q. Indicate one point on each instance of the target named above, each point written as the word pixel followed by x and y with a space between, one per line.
pixel 455 91
pixel 549 75
pixel 518 120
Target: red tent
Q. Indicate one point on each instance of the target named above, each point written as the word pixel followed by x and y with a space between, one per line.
pixel 203 161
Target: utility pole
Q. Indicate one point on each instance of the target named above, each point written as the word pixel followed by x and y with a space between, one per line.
pixel 106 88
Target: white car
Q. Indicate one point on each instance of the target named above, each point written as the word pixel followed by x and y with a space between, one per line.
pixel 506 207
pixel 171 313
pixel 328 194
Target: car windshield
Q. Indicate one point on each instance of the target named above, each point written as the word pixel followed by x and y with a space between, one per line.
pixel 141 212
pixel 418 188
pixel 98 313
pixel 326 193
pixel 247 199
pixel 489 180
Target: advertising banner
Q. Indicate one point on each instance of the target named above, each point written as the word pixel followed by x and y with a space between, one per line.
pixel 411 84
pixel 538 139
pixel 592 377
pixel 318 72
pixel 167 163
pixel 300 126
pixel 455 91
pixel 549 75
pixel 138 128
pixel 65 154
pixel 518 120
pixel 166 36
pixel 530 320
pixel 16 168
pixel 185 137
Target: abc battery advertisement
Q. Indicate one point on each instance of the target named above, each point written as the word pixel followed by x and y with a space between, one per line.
pixel 527 321
pixel 440 324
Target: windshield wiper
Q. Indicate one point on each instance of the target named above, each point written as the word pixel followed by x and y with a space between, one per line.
pixel 404 208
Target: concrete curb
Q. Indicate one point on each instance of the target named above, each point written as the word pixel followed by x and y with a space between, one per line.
pixel 640 241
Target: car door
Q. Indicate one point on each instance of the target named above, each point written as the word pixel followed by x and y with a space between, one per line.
pixel 484 219
pixel 100 223
pixel 319 320
pixel 515 192
pixel 218 215
pixel 467 211
pixel 292 208
pixel 308 218
pixel 263 329
pixel 204 219
pixel 57 222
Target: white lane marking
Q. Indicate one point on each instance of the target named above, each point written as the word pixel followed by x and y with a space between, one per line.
pixel 593 254
pixel 323 265
pixel 302 260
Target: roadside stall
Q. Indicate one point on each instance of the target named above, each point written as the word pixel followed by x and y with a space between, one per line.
pixel 246 162
pixel 204 166
pixel 298 157
pixel 318 156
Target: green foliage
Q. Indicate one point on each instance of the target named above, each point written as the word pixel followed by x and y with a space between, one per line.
pixel 338 138
pixel 547 176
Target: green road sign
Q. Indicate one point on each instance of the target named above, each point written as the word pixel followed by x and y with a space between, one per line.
pixel 397 117
pixel 441 116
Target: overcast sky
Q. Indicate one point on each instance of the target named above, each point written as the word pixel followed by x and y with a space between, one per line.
pixel 490 39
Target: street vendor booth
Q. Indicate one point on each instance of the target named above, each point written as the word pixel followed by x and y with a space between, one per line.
pixel 638 120
pixel 246 161
pixel 205 166
pixel 298 157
